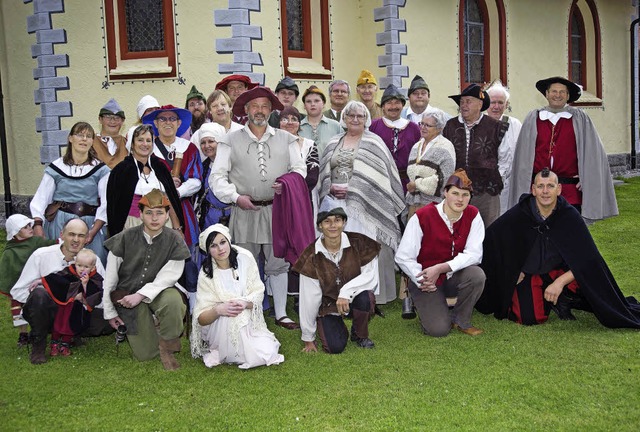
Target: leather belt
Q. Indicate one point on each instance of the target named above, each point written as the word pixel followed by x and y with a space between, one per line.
pixel 568 180
pixel 78 208
pixel 262 203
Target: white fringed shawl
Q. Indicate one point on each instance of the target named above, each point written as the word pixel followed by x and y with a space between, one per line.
pixel 211 293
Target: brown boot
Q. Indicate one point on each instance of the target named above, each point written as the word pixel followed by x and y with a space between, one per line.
pixel 167 350
pixel 38 347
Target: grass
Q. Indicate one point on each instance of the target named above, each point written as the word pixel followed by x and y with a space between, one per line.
pixel 561 376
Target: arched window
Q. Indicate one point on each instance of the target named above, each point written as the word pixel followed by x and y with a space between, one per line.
pixel 585 50
pixel 482 25
pixel 577 63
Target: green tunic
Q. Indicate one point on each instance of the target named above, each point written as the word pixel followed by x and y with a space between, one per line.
pixel 15 256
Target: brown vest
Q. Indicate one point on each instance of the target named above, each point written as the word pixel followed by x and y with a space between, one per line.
pixel 316 266
pixel 103 152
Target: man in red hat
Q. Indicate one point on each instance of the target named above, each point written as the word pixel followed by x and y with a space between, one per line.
pixel 247 165
pixel 480 149
pixel 565 140
pixel 440 252
pixel 234 86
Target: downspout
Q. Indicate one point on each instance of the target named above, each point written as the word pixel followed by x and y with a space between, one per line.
pixel 8 209
pixel 634 91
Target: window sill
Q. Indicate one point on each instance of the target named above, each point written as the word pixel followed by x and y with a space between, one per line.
pixel 301 67
pixel 588 100
pixel 141 67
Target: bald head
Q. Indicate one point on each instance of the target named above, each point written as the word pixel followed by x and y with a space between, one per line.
pixel 73 236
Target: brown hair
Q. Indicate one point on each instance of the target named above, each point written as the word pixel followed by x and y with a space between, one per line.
pixel 79 127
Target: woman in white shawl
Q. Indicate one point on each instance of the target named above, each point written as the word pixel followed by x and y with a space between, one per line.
pixel 228 324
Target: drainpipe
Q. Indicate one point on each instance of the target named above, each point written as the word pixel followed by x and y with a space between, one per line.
pixel 8 210
pixel 634 90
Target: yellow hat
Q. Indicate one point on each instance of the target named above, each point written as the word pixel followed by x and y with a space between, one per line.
pixel 154 199
pixel 366 77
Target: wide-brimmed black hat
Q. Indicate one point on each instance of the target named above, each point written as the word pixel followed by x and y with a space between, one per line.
pixel 475 91
pixel 254 93
pixel 574 89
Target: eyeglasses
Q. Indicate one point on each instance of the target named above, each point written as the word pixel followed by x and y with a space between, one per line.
pixel 167 119
pixel 426 125
pixel 83 136
pixel 289 120
pixel 359 117
pixel 111 117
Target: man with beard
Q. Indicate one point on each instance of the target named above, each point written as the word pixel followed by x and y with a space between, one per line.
pixel 480 149
pixel 339 96
pixel 564 139
pixel 247 165
pixel 39 308
pixel 196 104
pixel 398 134
pixel 109 145
pixel 539 256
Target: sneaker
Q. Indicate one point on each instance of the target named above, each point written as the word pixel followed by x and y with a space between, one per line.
pixel 55 348
pixel 64 350
pixel 23 339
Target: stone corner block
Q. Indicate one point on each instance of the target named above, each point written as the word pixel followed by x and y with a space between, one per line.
pixel 45 95
pixel 51 36
pixel 229 45
pixel 400 3
pixel 395 24
pixel 395 49
pixel 44 72
pixel 61 109
pixel 248 57
pixel 252 5
pixel 222 18
pixel 41 49
pixel 48 6
pixel 41 21
pixel 47 123
pixel 385 12
pixel 240 30
pixel 387 37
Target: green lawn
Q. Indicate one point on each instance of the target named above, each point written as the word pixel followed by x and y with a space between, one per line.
pixel 562 376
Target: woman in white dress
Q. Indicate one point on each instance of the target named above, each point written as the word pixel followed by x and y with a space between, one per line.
pixel 228 324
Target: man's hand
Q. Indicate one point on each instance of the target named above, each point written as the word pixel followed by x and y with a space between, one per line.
pixel 35 284
pixel 177 182
pixel 130 301
pixel 520 278
pixel 343 306
pixel 310 347
pixel 115 322
pixel 553 291
pixel 277 187
pixel 38 231
pixel 428 278
pixel 579 184
pixel 244 202
pixel 411 186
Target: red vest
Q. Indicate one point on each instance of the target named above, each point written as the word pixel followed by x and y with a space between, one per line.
pixel 438 243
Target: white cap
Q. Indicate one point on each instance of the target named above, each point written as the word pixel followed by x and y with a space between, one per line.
pixel 15 223
pixel 145 103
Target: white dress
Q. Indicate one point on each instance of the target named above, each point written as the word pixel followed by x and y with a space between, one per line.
pixel 243 340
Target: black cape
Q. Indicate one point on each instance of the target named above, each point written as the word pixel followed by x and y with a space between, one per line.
pixel 122 185
pixel 509 240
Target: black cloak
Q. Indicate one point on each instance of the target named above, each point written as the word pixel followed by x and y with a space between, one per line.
pixel 122 185
pixel 509 240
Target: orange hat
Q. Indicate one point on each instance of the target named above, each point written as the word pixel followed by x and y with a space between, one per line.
pixel 366 77
pixel 460 180
pixel 154 199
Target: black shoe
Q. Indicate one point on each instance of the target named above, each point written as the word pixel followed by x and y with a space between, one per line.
pixel 408 310
pixel 563 308
pixel 23 339
pixel 365 343
pixel 38 347
pixel 379 312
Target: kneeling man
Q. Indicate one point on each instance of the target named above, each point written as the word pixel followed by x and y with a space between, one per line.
pixel 338 277
pixel 540 256
pixel 440 252
pixel 143 266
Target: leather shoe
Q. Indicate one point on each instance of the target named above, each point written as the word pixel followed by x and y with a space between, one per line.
pixel 471 331
pixel 408 310
pixel 563 308
pixel 289 325
pixel 365 343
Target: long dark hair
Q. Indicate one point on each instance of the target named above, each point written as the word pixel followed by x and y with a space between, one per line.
pixel 207 266
pixel 80 127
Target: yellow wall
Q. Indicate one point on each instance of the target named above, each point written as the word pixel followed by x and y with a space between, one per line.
pixel 536 38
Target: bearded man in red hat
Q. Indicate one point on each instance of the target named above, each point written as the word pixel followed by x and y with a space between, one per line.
pixel 564 139
pixel 247 165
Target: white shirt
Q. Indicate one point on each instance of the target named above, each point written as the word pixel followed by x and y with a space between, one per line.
pixel 42 262
pixel 407 253
pixel 112 147
pixel 553 117
pixel 166 277
pixel 311 293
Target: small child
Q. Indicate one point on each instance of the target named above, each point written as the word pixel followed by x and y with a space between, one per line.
pixel 20 245
pixel 76 289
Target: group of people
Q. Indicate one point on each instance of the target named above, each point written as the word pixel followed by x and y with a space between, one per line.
pixel 207 208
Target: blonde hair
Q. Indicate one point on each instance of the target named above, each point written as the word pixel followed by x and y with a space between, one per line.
pixel 90 253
